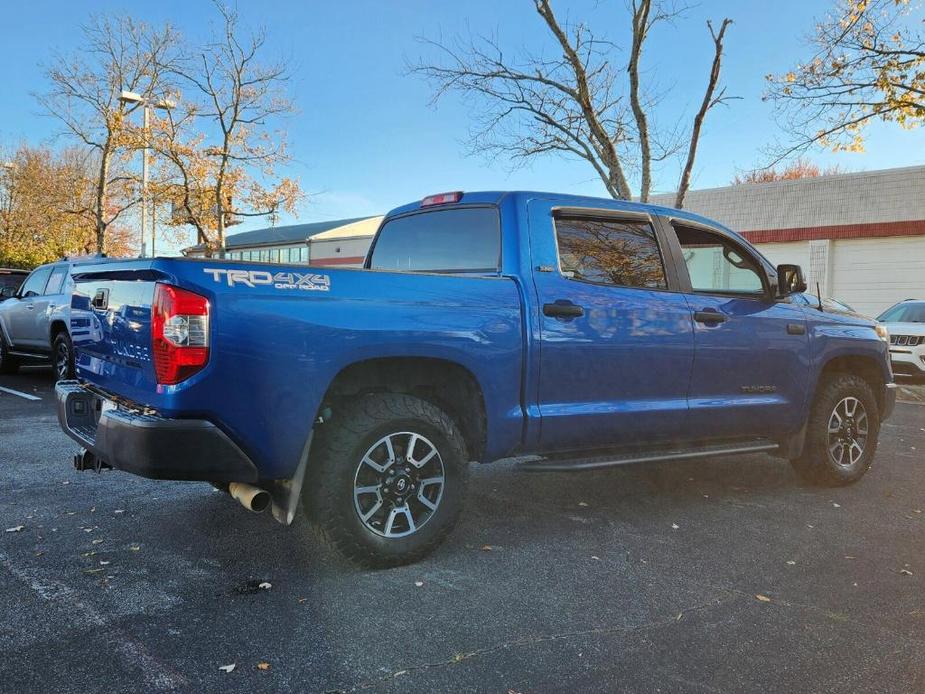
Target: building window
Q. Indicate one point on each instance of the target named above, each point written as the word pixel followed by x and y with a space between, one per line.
pixel 303 254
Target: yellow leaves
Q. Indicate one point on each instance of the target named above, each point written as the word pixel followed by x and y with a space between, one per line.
pixel 790 77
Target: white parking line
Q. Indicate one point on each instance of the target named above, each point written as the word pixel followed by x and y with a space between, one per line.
pixel 22 395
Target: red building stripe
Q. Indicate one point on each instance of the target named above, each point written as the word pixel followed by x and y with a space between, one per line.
pixel 838 231
pixel 340 260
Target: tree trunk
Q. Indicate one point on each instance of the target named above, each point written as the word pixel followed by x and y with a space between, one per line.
pixel 102 185
pixel 708 102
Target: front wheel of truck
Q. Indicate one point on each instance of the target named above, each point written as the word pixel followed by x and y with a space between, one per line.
pixel 842 432
pixel 387 480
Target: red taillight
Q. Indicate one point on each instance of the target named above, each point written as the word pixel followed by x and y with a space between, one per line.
pixel 442 199
pixel 179 333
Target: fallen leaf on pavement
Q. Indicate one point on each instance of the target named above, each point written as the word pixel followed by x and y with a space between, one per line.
pixel 134 548
pixel 905 572
pixel 266 585
pixel 836 505
pixel 104 563
pixel 96 542
pixel 675 526
pixel 763 598
pixel 582 503
pixel 791 562
pixel 122 510
pixel 419 583
pixel 263 665
pixel 227 668
pixel 15 528
pixel 595 558
pixel 487 548
pixel 301 600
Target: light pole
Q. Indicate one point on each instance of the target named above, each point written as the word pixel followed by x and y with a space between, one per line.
pixel 128 97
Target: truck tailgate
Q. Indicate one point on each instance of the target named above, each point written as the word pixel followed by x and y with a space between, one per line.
pixel 111 329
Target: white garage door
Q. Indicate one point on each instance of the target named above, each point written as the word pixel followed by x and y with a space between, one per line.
pixel 873 274
pixel 794 252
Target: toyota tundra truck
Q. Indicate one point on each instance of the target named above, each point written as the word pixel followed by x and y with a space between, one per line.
pixel 573 332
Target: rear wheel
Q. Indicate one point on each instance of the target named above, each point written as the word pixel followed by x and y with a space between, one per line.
pixel 841 436
pixel 8 363
pixel 387 481
pixel 62 354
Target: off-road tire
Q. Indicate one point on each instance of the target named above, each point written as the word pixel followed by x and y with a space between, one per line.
pixel 815 464
pixel 62 348
pixel 340 446
pixel 8 363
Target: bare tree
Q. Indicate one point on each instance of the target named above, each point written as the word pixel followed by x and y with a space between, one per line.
pixel 572 104
pixel 117 54
pixel 220 143
pixel 867 64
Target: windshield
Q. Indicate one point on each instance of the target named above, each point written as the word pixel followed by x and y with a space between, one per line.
pixel 912 312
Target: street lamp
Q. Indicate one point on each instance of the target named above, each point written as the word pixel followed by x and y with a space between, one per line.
pixel 128 97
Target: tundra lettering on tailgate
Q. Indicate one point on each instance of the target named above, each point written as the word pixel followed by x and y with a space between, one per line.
pixel 308 281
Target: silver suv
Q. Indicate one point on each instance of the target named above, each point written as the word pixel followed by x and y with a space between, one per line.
pixel 34 322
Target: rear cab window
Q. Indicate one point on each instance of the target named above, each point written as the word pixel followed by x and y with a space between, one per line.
pixel 456 240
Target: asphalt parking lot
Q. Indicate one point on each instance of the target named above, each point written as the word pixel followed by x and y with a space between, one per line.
pixel 725 575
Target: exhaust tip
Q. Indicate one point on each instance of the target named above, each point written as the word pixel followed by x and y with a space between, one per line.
pixel 250 497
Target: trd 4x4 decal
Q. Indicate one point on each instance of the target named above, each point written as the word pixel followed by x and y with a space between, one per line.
pixel 308 281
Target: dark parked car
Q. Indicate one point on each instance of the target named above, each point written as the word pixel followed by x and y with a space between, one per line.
pixel 10 280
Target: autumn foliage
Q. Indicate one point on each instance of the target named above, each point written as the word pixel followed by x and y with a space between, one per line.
pixel 46 207
pixel 799 168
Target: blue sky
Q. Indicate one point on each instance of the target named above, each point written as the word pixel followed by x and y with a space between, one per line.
pixel 365 138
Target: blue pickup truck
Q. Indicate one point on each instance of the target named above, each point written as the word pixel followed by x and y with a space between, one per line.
pixel 576 332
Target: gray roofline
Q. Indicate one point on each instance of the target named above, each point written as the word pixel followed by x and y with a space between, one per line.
pixel 800 181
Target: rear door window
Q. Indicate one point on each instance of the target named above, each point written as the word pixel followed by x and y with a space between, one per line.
pixel 56 282
pixel 465 239
pixel 610 251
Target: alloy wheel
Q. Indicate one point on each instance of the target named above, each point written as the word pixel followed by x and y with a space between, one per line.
pixel 848 429
pixel 398 484
pixel 62 360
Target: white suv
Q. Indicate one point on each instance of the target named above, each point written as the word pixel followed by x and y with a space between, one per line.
pixel 906 324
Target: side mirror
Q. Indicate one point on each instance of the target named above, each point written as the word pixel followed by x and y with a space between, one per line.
pixel 790 280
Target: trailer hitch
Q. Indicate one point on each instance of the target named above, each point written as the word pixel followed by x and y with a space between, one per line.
pixel 85 460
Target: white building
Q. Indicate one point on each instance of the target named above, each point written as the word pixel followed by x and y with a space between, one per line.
pixel 861 236
pixel 341 242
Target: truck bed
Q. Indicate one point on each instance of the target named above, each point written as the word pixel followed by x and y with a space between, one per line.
pixel 279 334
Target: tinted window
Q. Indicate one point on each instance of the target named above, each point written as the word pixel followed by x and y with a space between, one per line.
pixel 56 283
pixel 610 251
pixel 716 264
pixel 35 285
pixel 904 313
pixel 460 240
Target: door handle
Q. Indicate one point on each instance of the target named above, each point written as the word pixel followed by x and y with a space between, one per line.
pixel 709 316
pixel 563 308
